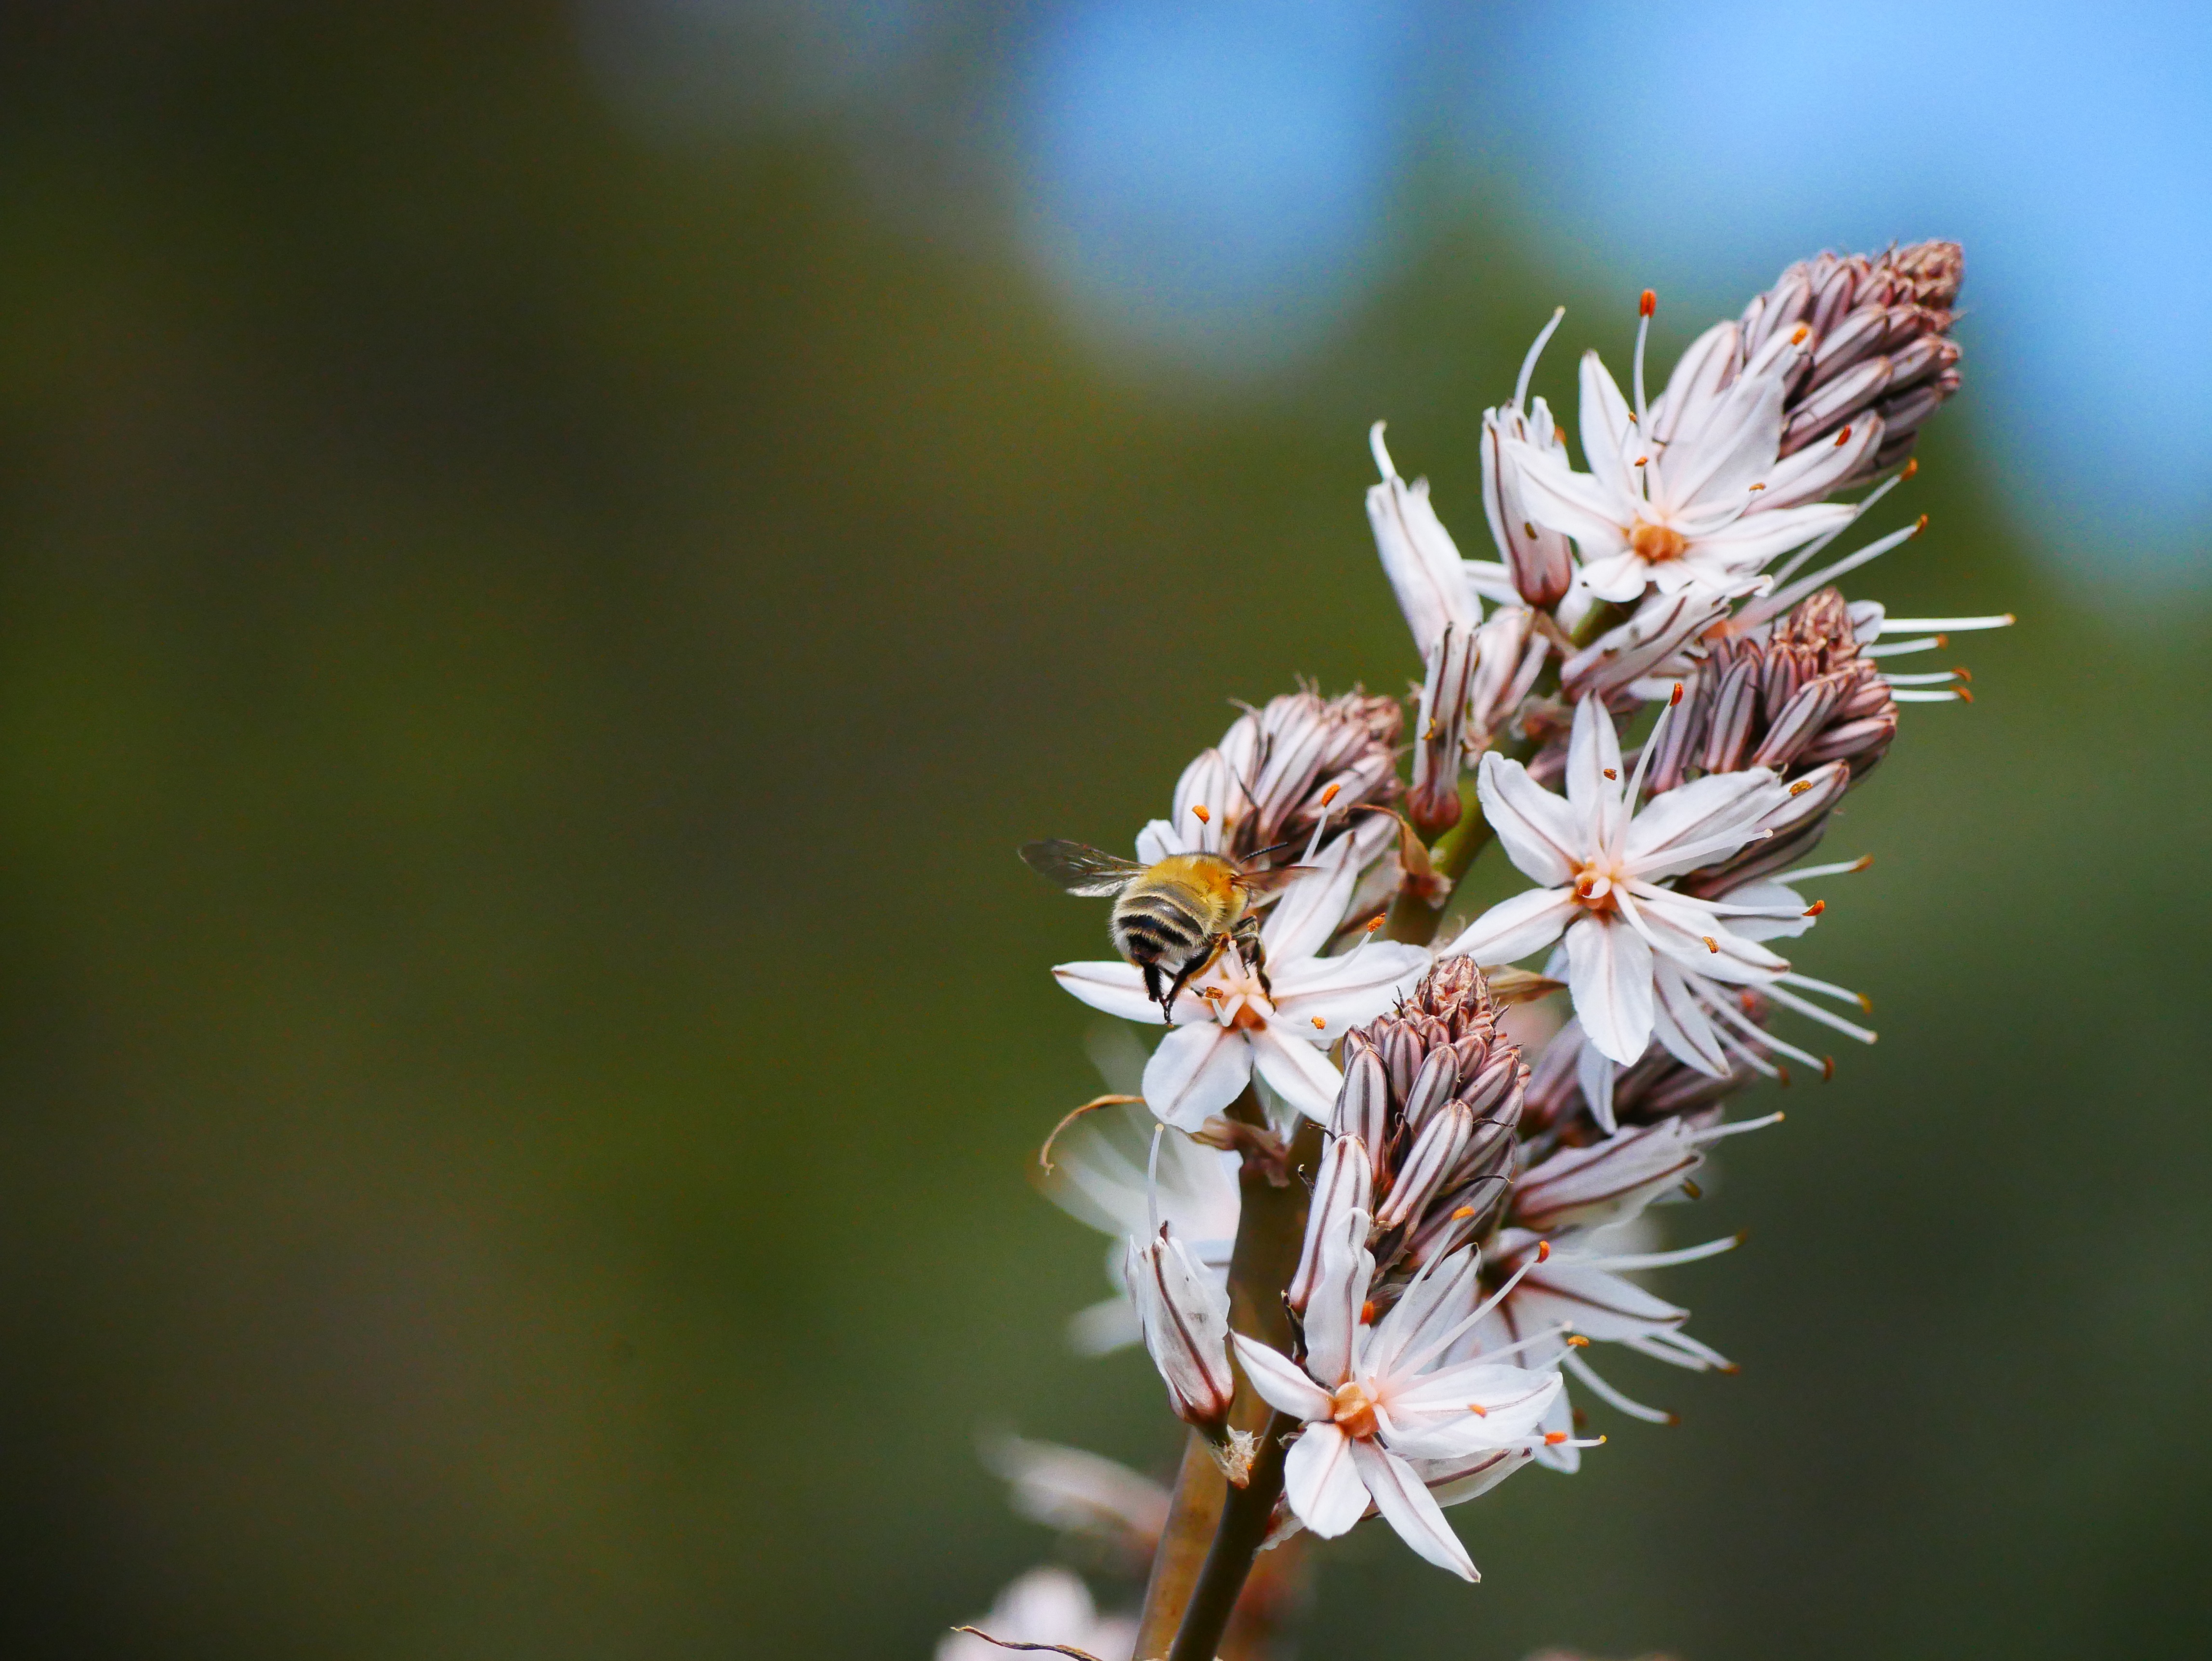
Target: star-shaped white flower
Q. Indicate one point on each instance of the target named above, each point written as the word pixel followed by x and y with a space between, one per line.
pixel 1226 1024
pixel 1603 868
pixel 1374 1399
pixel 1673 513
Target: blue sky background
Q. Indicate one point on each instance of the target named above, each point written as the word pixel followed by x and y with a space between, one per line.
pixel 1212 182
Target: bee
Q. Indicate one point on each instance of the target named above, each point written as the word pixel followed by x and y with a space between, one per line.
pixel 1171 919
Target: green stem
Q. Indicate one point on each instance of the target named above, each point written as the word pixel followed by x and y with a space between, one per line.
pixel 1270 1227
pixel 1236 1541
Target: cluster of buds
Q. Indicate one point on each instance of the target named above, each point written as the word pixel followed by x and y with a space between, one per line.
pixel 1298 764
pixel 1422 1137
pixel 1802 698
pixel 1876 334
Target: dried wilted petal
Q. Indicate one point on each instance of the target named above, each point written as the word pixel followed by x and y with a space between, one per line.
pixel 1539 559
pixel 1184 1314
pixel 1440 731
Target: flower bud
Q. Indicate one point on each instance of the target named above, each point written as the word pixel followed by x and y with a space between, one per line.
pixel 1185 1320
pixel 1536 558
pixel 1440 733
pixel 1875 348
pixel 1344 1183
pixel 1432 1158
pixel 1363 1105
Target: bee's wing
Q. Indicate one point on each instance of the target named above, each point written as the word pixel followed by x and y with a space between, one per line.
pixel 1079 869
pixel 1274 882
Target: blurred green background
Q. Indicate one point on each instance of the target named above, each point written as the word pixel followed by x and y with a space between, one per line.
pixel 524 651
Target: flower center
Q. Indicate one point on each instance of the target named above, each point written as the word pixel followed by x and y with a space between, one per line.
pixel 1353 1409
pixel 1234 992
pixel 1656 544
pixel 1594 887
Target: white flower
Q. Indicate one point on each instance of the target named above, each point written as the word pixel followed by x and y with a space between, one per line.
pixel 1227 1025
pixel 1537 559
pixel 1374 1399
pixel 1574 1229
pixel 1419 556
pixel 1080 1493
pixel 1104 1175
pixel 1692 510
pixel 1603 871
pixel 1045 1606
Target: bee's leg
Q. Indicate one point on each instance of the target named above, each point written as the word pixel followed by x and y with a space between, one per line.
pixel 1247 935
pixel 1193 967
pixel 1152 988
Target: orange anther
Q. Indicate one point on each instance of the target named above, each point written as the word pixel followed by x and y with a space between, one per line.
pixel 1797 335
pixel 1816 908
pixel 1462 1215
pixel 1319 1024
pixel 1675 697
pixel 1961 674
pixel 1911 467
pixel 1712 945
pixel 1330 794
pixel 1543 1251
pixel 1553 1438
pixel 1646 303
pixel 1478 1409
pixel 1965 697
pixel 1921 525
pixel 1843 438
pixel 1375 924
pixel 1199 808
pixel 1367 1313
pixel 1612 773
pixel 1576 1340
pixel 1801 786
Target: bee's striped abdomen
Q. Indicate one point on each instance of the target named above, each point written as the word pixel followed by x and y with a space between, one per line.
pixel 1159 925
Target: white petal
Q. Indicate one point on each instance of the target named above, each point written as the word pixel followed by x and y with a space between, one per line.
pixel 1541 832
pixel 1297 1071
pixel 1332 1318
pixel 1407 1507
pixel 1682 1025
pixel 1695 938
pixel 1699 819
pixel 1158 840
pixel 1321 1483
pixel 1280 1381
pixel 1512 928
pixel 1116 988
pixel 1197 1071
pixel 1752 540
pixel 1597 1075
pixel 1593 751
pixel 1735 451
pixel 1309 909
pixel 1561 499
pixel 1440 1300
pixel 1346 990
pixel 1455 1481
pixel 1607 429
pixel 1609 974
pixel 1619 576
pixel 1420 560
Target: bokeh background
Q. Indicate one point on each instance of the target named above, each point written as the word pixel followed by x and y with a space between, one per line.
pixel 548 555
